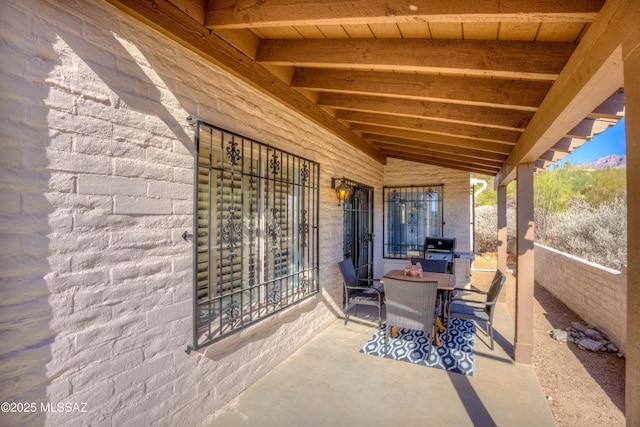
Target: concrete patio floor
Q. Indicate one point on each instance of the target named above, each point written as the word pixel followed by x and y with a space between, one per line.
pixel 328 382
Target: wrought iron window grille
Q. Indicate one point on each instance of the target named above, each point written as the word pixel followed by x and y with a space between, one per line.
pixel 410 215
pixel 256 213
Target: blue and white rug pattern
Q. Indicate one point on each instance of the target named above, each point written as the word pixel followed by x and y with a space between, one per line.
pixel 411 346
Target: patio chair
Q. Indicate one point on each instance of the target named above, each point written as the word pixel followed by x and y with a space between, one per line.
pixel 433 265
pixel 371 293
pixel 410 305
pixel 476 309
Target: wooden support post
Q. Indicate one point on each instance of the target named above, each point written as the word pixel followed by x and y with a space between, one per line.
pixel 525 265
pixel 632 124
pixel 502 237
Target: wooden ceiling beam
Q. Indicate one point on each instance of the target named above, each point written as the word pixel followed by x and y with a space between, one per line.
pixel 496 58
pixel 182 28
pixel 268 13
pixel 437 154
pixel 564 145
pixel 243 40
pixel 425 125
pixel 434 138
pixel 552 156
pixel 541 164
pixel 499 118
pixel 612 108
pixel 442 163
pixel 196 9
pixel 515 94
pixel 430 146
pixel 594 72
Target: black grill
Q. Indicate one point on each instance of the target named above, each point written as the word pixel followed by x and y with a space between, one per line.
pixel 440 248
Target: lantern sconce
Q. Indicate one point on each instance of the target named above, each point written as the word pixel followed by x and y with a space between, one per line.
pixel 342 189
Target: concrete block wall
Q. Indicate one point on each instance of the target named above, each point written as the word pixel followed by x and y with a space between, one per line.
pixel 597 294
pixel 96 189
pixel 457 204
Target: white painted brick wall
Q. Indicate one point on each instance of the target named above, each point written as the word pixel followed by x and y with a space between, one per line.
pixel 595 293
pixel 96 159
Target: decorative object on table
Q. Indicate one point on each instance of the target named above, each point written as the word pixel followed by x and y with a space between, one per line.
pixel 371 293
pixel 412 346
pixel 412 270
pixel 463 308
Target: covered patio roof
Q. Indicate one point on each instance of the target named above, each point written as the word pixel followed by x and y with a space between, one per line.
pixel 490 86
pixel 479 86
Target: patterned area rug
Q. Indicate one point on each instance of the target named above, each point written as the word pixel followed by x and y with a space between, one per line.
pixel 411 346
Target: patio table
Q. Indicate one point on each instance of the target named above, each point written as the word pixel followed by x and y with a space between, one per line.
pixel 446 281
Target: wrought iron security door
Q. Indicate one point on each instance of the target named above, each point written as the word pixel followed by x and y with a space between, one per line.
pixel 358 229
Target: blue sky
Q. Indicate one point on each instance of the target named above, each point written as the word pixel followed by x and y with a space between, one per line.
pixel 611 141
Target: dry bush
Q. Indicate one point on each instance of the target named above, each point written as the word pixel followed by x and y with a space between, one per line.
pixel 486 227
pixel 597 235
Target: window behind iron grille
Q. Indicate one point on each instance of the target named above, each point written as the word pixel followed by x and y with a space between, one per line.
pixel 256 232
pixel 410 215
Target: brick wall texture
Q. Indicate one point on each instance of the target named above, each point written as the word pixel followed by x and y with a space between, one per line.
pixel 595 293
pixel 96 189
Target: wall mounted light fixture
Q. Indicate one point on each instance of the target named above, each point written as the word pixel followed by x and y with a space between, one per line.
pixel 342 189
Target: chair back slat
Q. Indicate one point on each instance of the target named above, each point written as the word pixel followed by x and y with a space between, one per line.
pixel 348 272
pixel 496 286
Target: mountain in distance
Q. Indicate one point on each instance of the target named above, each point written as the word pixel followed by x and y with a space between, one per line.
pixel 610 161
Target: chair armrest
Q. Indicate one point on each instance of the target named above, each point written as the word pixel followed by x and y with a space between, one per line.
pixel 364 288
pixel 369 282
pixel 461 292
pixel 471 302
pixel 473 291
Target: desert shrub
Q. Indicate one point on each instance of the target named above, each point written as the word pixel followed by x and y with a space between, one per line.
pixel 606 186
pixel 490 196
pixel 577 211
pixel 596 234
pixel 486 227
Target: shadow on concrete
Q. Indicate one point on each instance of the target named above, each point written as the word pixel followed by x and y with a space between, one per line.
pixel 472 402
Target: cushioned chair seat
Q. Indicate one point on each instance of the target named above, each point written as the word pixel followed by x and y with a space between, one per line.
pixel 462 311
pixel 367 294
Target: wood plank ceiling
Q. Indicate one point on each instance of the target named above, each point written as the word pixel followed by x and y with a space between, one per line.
pixel 451 84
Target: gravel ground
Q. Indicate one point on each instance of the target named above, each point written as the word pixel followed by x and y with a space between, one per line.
pixel 583 388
